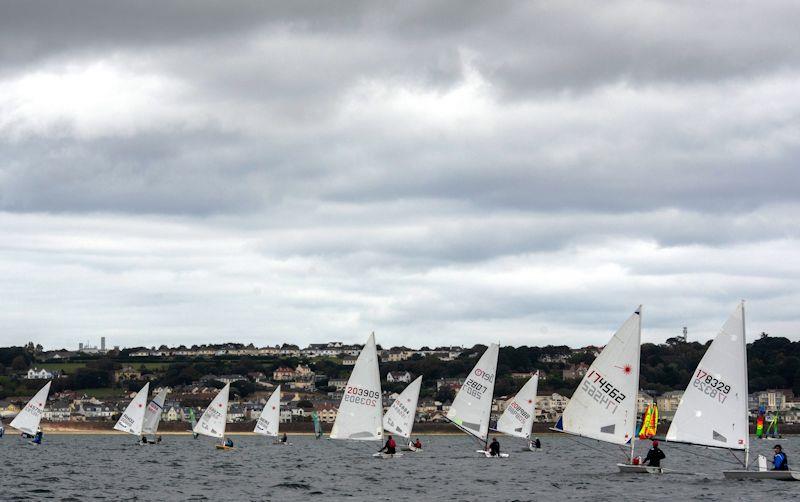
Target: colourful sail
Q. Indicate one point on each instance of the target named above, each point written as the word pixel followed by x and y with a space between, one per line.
pixel 772 428
pixel 760 423
pixel 649 422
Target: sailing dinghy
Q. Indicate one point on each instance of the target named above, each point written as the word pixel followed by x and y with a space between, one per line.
pixel 603 407
pixel 360 414
pixel 517 419
pixel 27 421
pixel 214 419
pixel 132 419
pixel 713 411
pixel 268 421
pixel 399 418
pixel 472 406
pixel 152 417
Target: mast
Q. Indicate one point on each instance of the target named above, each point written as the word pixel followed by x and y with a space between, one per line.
pixel 638 370
pixel 746 393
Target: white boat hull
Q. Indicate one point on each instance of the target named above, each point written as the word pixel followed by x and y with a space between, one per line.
pixel 387 455
pixel 489 455
pixel 639 469
pixel 778 475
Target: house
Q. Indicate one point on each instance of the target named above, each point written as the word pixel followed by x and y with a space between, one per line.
pixel 449 383
pixel 303 371
pixel 772 399
pixel 285 415
pixel 398 376
pixel 173 414
pixel 574 371
pixel 338 383
pixel 57 412
pixel 8 409
pixel 549 407
pixel 349 360
pixel 326 412
pixel 668 402
pixel 283 374
pixel 127 373
pixel 643 400
pixel 232 378
pixel 303 385
pixel 39 374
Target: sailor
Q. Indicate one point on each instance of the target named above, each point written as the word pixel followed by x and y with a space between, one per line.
pixel 390 446
pixel 285 438
pixel 2 430
pixel 494 448
pixel 229 443
pixel 37 438
pixel 537 444
pixel 779 461
pixel 144 440
pixel 654 456
pixel 418 444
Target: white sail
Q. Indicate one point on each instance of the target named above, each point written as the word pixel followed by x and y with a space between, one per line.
pixel 28 419
pixel 713 410
pixel 132 418
pixel 267 423
pixel 361 410
pixel 603 407
pixel 399 418
pixel 212 422
pixel 517 420
pixel 152 417
pixel 473 404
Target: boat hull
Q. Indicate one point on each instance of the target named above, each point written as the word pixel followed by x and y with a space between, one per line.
pixel 639 469
pixel 224 447
pixel 386 455
pixel 489 455
pixel 777 475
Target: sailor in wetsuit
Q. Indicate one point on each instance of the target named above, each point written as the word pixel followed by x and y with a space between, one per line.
pixel 654 456
pixel 494 448
pixel 390 447
pixel 780 462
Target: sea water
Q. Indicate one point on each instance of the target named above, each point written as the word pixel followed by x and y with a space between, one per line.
pixel 114 467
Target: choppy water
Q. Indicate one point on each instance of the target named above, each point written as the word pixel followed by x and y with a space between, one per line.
pixel 76 467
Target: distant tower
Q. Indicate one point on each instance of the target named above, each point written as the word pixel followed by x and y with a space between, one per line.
pixel 80 346
pixel 103 343
pixel 685 333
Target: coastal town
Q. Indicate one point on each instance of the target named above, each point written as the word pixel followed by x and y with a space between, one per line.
pixel 93 384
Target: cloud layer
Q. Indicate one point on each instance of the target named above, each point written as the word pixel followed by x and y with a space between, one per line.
pixel 437 172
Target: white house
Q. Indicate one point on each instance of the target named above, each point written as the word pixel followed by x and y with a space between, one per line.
pixel 39 374
pixel 398 376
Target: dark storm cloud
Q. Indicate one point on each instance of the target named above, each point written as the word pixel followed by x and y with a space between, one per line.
pixel 452 167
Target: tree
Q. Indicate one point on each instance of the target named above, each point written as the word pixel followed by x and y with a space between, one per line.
pixel 19 364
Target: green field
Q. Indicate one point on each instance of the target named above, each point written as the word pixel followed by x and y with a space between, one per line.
pixel 102 393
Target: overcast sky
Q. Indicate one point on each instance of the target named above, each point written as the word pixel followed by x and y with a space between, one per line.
pixel 437 172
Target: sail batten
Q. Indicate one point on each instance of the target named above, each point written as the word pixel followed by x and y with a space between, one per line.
pixel 713 410
pixel 472 406
pixel 603 407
